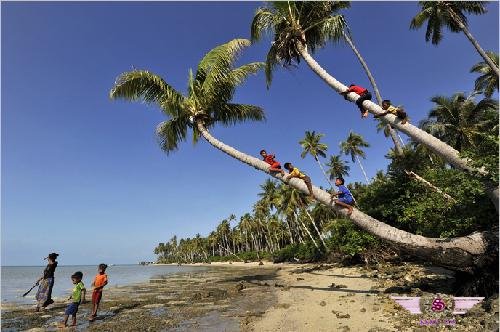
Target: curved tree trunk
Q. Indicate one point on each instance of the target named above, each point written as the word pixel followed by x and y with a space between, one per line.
pixel 306 229
pixel 315 227
pixel 474 42
pixel 417 177
pixel 437 146
pixel 462 253
pixel 392 132
pixel 323 170
pixel 362 169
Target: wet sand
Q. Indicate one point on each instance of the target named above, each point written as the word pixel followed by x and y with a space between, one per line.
pixel 269 297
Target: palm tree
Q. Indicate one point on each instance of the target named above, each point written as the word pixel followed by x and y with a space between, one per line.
pixel 311 145
pixel 337 167
pixel 207 104
pixel 352 147
pixel 488 81
pixel 459 121
pixel 450 14
pixel 302 27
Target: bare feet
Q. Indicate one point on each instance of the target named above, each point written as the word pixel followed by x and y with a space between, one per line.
pixel 365 114
pixel 404 121
pixel 349 211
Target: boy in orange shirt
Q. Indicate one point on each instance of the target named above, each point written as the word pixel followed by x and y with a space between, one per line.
pixel 100 280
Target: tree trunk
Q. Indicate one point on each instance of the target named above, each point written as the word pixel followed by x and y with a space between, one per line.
pixel 437 146
pixel 323 170
pixel 362 169
pixel 315 227
pixel 463 253
pixel 474 42
pixel 307 230
pixel 417 177
pixel 392 132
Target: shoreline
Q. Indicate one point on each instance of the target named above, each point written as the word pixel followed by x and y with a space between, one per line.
pixel 270 297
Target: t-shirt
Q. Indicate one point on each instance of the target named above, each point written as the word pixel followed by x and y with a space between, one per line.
pixel 77 292
pixel 269 159
pixel 344 192
pixel 296 173
pixel 391 109
pixel 357 89
pixel 49 270
pixel 100 280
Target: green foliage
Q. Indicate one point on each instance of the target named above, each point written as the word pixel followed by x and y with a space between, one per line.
pixel 348 238
pixel 303 252
pixel 487 83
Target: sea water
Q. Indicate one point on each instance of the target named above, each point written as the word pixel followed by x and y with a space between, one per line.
pixel 16 280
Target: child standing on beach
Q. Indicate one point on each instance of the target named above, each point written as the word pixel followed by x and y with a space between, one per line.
pixel 100 280
pixel 345 198
pixel 363 93
pixel 274 165
pixel 295 173
pixel 77 297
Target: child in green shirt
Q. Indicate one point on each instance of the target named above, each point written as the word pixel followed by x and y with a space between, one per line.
pixel 78 296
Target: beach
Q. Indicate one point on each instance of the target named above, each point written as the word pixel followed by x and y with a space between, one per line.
pixel 269 297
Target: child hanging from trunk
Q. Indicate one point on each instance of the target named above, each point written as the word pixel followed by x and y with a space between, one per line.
pixel 389 109
pixel 345 198
pixel 274 165
pixel 363 93
pixel 295 173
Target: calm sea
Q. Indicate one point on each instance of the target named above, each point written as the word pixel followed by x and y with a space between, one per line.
pixel 16 280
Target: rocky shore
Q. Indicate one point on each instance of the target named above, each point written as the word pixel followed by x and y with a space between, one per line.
pixel 270 297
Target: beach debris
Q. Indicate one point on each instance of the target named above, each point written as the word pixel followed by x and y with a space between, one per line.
pixel 322 303
pixel 333 285
pixel 363 310
pixel 340 315
pixel 298 279
pixel 239 286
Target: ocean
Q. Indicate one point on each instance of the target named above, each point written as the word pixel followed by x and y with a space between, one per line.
pixel 16 280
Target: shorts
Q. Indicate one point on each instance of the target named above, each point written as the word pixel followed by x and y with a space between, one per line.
pixel 96 296
pixel 276 165
pixel 72 309
pixel 346 200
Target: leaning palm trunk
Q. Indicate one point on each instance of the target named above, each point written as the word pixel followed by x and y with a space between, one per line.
pixel 474 42
pixel 437 146
pixel 392 132
pixel 362 169
pixel 306 229
pixel 323 170
pixel 315 227
pixel 417 177
pixel 463 253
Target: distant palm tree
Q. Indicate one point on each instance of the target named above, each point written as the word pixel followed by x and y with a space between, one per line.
pixel 488 81
pixel 337 167
pixel 299 28
pixel 459 121
pixel 311 145
pixel 352 146
pixel 450 14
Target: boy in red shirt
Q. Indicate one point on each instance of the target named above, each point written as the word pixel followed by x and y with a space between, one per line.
pixel 100 280
pixel 363 93
pixel 269 158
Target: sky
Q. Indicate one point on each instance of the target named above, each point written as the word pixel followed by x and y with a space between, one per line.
pixel 84 176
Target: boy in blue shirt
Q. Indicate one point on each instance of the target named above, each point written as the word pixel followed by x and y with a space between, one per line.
pixel 345 198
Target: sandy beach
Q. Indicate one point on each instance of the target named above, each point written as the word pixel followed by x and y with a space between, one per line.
pixel 269 297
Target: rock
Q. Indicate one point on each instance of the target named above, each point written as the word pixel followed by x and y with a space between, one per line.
pixel 345 328
pixel 298 279
pixel 363 310
pixel 260 263
pixel 239 287
pixel 322 303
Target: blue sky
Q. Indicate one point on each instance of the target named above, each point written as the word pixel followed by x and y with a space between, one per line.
pixel 85 177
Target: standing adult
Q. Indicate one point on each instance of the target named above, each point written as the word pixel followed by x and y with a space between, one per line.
pixel 46 282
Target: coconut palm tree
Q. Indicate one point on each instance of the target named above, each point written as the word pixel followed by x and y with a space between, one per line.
pixel 459 121
pixel 352 146
pixel 299 28
pixel 337 167
pixel 311 145
pixel 488 81
pixel 450 14
pixel 209 92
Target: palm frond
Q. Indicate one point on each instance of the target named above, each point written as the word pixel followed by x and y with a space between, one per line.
pixel 230 114
pixel 263 20
pixel 170 133
pixel 149 87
